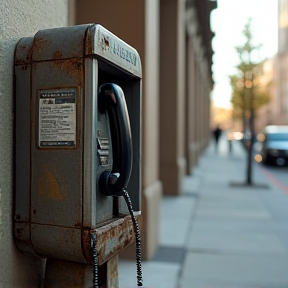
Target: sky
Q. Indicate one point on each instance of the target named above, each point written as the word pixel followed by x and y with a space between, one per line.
pixel 227 22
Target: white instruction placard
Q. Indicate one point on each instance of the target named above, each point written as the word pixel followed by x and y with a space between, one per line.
pixel 57 118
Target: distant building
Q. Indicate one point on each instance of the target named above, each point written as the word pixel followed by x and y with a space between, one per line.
pixel 274 78
pixel 282 66
pixel 268 114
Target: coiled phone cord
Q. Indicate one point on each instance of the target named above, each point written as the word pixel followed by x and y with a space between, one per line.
pixel 137 243
pixel 137 236
pixel 95 261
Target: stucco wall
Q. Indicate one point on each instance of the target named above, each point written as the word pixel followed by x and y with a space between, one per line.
pixel 18 18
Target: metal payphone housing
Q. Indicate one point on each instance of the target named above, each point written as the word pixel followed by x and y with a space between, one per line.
pixel 59 155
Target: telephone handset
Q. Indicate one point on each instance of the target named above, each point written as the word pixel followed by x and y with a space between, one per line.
pixel 111 99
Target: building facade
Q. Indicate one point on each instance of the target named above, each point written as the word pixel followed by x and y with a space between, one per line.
pixel 173 38
pixel 281 100
pixel 274 78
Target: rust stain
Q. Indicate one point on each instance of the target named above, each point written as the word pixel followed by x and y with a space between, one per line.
pixel 29 55
pixel 89 43
pixel 73 67
pixel 41 189
pixel 111 239
pixel 55 191
pixel 57 55
pixel 27 60
pixel 22 47
pixel 86 244
pixel 40 43
pixel 106 42
pixel 49 186
pixel 112 266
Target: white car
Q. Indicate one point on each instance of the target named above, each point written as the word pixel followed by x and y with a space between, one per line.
pixel 274 145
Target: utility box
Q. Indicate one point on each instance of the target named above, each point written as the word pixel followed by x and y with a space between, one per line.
pixel 70 146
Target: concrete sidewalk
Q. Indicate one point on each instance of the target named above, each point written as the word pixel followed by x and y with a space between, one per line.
pixel 218 234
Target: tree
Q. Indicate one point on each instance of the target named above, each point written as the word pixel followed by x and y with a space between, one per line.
pixel 247 95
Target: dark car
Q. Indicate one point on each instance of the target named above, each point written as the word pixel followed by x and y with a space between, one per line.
pixel 274 145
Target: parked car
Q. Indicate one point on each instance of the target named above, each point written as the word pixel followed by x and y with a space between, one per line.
pixel 273 147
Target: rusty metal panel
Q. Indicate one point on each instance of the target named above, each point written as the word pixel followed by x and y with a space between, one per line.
pixel 24 51
pixel 98 42
pixel 22 144
pixel 59 43
pixel 58 242
pixel 111 238
pixel 56 173
pixel 101 42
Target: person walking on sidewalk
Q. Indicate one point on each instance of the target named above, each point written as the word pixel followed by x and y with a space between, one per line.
pixel 217 133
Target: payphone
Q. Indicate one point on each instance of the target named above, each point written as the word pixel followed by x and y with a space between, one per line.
pixel 77 137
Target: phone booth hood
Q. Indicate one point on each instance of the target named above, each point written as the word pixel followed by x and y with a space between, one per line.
pixel 57 198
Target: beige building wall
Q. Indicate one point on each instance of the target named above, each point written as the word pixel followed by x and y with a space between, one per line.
pixel 172 95
pixel 137 23
pixel 190 107
pixel 185 98
pixel 197 106
pixel 18 19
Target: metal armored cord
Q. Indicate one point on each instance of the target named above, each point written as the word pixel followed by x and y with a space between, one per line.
pixel 137 236
pixel 95 261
